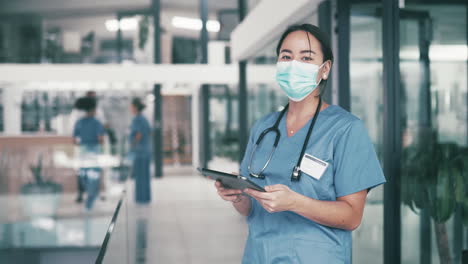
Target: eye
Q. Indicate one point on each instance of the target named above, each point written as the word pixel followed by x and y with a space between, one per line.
pixel 285 57
pixel 307 58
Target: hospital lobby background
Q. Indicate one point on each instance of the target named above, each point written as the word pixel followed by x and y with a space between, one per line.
pixel 206 71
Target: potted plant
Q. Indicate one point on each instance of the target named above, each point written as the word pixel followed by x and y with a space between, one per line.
pixel 435 180
pixel 40 197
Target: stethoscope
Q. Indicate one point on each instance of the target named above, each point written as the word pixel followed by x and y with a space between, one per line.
pixel 296 174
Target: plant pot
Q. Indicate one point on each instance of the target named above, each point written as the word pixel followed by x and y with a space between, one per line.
pixel 40 199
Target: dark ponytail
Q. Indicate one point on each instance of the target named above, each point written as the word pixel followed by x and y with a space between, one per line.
pixel 87 104
pixel 138 104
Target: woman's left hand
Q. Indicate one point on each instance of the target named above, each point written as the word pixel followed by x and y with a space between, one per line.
pixel 277 198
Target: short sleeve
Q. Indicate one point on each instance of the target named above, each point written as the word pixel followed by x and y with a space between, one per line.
pixel 356 167
pixel 133 129
pixel 138 125
pixel 146 127
pixel 76 129
pixel 101 130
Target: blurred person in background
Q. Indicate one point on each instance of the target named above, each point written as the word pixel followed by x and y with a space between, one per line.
pixel 88 133
pixel 102 118
pixel 77 113
pixel 140 151
pixel 99 114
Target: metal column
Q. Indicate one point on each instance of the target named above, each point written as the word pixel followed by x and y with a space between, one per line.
pixel 344 42
pixel 119 43
pixel 325 17
pixel 204 32
pixel 392 131
pixel 205 129
pixel 205 150
pixel 243 95
pixel 158 152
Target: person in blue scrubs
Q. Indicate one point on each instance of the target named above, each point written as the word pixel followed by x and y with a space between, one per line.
pixel 318 176
pixel 88 133
pixel 140 132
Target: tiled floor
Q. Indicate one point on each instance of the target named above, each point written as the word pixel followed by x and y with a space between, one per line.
pixel 186 223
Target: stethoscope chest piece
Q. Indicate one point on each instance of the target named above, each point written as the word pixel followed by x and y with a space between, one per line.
pixel 296 175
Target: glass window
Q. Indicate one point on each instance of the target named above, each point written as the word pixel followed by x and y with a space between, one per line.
pixel 366 87
pixel 433 66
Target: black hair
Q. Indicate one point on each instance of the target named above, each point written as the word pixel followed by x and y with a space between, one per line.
pixel 321 36
pixel 91 93
pixel 87 104
pixel 139 105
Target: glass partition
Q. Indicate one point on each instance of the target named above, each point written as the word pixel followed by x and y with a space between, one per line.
pixel 81 34
pixel 366 87
pixel 224 122
pixel 41 220
pixel 433 66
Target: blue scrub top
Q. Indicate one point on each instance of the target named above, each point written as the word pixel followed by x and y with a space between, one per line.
pixel 338 138
pixel 140 125
pixel 88 130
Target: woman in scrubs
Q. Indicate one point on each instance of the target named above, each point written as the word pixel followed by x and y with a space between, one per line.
pixel 140 131
pixel 88 133
pixel 318 176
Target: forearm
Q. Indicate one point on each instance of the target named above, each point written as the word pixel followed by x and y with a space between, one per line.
pixel 243 206
pixel 337 214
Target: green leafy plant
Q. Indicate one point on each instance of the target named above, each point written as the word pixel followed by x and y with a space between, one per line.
pixel 39 184
pixel 434 178
pixel 41 196
pixel 36 171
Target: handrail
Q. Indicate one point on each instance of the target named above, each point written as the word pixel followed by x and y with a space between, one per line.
pixel 102 251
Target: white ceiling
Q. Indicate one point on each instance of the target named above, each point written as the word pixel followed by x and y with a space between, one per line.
pixel 60 8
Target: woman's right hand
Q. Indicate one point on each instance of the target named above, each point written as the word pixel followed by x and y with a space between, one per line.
pixel 230 195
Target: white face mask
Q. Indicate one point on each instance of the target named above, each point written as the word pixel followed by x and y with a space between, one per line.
pixel 297 79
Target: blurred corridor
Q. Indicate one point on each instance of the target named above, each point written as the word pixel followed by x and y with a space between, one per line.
pixel 203 73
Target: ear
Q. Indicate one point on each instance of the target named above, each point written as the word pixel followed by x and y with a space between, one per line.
pixel 326 68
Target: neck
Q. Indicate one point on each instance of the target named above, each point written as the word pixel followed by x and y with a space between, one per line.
pixel 305 108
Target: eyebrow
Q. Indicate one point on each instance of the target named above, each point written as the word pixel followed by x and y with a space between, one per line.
pixel 302 51
pixel 308 51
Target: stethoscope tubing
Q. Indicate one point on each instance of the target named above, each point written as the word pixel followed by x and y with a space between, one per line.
pixel 296 171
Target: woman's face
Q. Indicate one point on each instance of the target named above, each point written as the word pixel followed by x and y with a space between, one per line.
pixel 296 47
pixel 133 109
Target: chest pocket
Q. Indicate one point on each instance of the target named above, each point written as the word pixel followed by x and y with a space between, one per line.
pixel 322 188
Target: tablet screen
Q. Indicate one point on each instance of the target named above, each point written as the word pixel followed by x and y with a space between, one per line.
pixel 230 181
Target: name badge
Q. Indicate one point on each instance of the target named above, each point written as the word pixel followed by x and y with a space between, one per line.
pixel 313 166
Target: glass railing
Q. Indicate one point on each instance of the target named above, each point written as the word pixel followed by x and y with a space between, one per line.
pixel 115 248
pixel 127 234
pixel 41 220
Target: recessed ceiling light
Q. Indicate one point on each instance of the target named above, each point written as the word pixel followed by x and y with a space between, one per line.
pixel 195 24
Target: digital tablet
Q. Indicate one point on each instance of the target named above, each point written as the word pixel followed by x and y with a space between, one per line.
pixel 230 181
